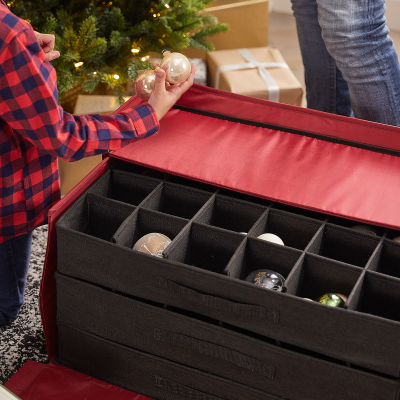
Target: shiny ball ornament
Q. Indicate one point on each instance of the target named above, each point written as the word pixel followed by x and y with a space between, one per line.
pixel 270 237
pixel 332 300
pixel 342 296
pixel 176 66
pixel 364 229
pixel 144 83
pixel 266 279
pixel 153 244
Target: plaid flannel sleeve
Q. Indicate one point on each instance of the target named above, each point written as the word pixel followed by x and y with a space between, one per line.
pixel 29 105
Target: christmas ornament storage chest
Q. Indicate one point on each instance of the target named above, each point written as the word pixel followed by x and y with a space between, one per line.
pixel 188 325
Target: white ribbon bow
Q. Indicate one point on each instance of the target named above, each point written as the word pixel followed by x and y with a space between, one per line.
pixel 273 88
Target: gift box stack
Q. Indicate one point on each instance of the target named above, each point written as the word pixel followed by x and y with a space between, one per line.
pixel 188 324
pixel 257 72
pixel 242 62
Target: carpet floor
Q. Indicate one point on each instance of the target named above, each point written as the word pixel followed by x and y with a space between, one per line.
pixel 23 339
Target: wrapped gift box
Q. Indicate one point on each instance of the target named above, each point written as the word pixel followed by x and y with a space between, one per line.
pixel 188 326
pixel 248 25
pixel 257 72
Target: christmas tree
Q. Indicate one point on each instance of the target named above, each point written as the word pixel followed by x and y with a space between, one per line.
pixel 109 41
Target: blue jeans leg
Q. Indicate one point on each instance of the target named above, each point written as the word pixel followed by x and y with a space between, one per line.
pixel 326 89
pixel 356 36
pixel 14 263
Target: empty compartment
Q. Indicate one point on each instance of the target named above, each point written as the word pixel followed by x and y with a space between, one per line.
pixel 205 247
pixel 380 296
pixel 177 200
pixel 346 245
pixel 316 276
pixel 231 214
pixel 294 230
pixel 261 255
pixel 96 216
pixel 389 259
pixel 124 186
pixel 145 221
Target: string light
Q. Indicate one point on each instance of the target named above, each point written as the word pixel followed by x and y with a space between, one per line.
pixel 78 64
pixel 135 51
pixel 154 15
pixel 145 58
pixel 94 73
pixel 116 76
pixel 166 5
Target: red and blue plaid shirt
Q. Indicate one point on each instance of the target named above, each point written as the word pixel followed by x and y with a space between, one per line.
pixel 35 131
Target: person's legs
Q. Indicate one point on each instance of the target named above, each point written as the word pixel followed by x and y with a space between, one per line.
pixel 326 90
pixel 356 36
pixel 14 263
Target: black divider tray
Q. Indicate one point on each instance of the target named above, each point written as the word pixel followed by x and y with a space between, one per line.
pixel 200 343
pixel 215 245
pixel 144 373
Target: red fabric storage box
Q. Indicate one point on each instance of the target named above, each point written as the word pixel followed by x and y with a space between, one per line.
pixel 224 164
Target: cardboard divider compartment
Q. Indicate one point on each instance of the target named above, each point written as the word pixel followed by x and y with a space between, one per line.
pixel 145 221
pixel 259 254
pixel 96 216
pixel 205 247
pixel 388 259
pixel 197 342
pixel 294 230
pixel 177 200
pixel 124 186
pixel 315 276
pixel 346 245
pixel 231 214
pixel 380 296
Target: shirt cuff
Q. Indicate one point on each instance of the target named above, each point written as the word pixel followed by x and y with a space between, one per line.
pixel 144 120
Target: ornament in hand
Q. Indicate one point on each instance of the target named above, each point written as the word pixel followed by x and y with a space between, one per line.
pixel 177 69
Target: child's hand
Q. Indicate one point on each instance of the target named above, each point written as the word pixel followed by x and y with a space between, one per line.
pixel 46 42
pixel 164 95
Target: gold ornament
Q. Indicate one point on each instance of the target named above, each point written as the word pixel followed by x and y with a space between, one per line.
pixel 144 83
pixel 153 243
pixel 176 67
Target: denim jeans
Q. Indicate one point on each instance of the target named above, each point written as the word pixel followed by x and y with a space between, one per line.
pixel 350 62
pixel 14 263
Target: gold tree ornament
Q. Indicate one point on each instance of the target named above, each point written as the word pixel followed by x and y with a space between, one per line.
pixel 144 83
pixel 177 70
pixel 176 67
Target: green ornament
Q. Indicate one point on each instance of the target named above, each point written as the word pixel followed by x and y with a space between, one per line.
pixel 332 300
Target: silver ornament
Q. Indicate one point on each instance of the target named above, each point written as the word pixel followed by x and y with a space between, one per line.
pixel 267 279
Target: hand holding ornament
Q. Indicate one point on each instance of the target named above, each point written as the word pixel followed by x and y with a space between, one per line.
pixel 152 86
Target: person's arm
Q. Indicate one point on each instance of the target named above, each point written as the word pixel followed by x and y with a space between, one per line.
pixel 29 106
